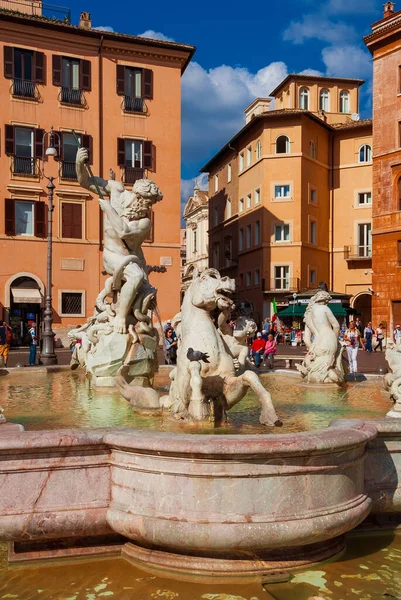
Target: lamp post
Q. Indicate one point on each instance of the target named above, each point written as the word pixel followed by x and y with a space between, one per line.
pixel 48 356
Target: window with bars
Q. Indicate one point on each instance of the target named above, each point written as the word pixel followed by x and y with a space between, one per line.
pixel 73 77
pixel 134 156
pixel 135 85
pixel 26 68
pixel 72 303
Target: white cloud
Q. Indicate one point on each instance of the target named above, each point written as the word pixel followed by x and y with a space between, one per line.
pixel 187 186
pixel 104 28
pixel 317 26
pixel 155 35
pixel 314 72
pixel 347 61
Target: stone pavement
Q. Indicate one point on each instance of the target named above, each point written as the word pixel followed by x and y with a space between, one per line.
pixel 367 363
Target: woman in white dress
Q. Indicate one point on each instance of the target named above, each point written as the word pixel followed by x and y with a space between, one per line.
pixel 352 337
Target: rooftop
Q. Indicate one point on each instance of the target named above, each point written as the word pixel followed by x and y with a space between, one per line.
pixel 299 77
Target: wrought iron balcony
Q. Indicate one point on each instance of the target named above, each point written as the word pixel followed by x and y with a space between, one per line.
pixel 284 284
pixel 47 11
pixel 20 88
pixel 25 166
pixel 358 252
pixel 68 170
pixel 132 174
pixel 133 104
pixel 72 96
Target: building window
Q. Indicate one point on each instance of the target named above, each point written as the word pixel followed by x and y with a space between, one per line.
pixel 304 98
pixel 249 156
pixel 241 240
pixel 282 191
pixel 135 85
pixel 312 277
pixel 216 256
pixel 344 102
pixel 256 276
pixel 133 156
pixel 249 201
pixel 248 235
pixel 364 240
pixel 399 251
pixel 228 208
pixel 324 100
pixel 24 216
pixel 194 239
pixel 313 196
pixel 228 172
pixel 312 232
pixel 241 280
pixel 257 233
pixel 228 250
pixel 259 150
pixel 72 303
pixel 257 197
pixel 282 145
pixel 364 198
pixel 241 161
pixel 216 183
pixel 26 68
pixel 71 220
pixel 241 205
pixel 282 233
pixel 24 163
pixel 248 279
pixel 312 149
pixel 365 153
pixel 282 278
pixel 73 76
pixel 216 216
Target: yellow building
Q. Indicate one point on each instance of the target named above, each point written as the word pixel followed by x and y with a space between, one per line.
pixel 290 196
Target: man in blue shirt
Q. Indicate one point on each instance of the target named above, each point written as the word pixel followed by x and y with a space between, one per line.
pixel 33 345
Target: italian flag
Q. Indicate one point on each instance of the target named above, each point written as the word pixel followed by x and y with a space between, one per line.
pixel 274 317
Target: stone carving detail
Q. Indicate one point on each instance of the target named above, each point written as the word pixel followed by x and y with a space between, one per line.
pixel 206 390
pixel 120 337
pixel 323 361
pixel 392 380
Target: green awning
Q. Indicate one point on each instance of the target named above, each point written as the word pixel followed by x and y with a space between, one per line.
pixel 298 310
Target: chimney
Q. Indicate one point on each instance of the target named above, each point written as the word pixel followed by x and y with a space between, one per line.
pixel 85 21
pixel 388 9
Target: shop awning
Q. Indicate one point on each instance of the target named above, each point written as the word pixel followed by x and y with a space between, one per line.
pixel 26 296
pixel 298 310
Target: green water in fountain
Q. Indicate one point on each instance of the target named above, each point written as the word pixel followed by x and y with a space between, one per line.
pixel 41 400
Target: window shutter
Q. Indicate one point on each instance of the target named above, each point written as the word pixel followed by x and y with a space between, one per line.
pixel 71 220
pixel 39 70
pixel 120 80
pixel 77 221
pixel 39 133
pixel 9 217
pixel 147 83
pixel 66 220
pixel 57 64
pixel 9 139
pixel 8 62
pixel 85 75
pixel 87 142
pixel 40 219
pixel 121 152
pixel 147 155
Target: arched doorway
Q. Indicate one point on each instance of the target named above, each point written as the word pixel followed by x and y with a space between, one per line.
pixel 25 297
pixel 363 304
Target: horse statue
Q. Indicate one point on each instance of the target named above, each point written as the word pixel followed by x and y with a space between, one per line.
pixel 204 384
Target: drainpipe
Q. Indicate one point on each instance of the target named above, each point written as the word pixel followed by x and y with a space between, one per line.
pixel 100 135
pixel 331 221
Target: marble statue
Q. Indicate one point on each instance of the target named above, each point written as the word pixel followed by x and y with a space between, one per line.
pixel 323 361
pixel 120 339
pixel 392 380
pixel 206 388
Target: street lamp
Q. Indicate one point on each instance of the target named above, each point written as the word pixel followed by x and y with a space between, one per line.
pixel 48 356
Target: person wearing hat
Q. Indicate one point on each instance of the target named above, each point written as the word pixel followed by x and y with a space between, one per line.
pixel 257 349
pixel 368 334
pixel 397 333
pixel 167 325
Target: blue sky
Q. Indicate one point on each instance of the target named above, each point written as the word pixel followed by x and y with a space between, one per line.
pixel 243 54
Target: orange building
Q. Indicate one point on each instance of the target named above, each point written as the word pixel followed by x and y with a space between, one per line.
pixel 385 45
pixel 290 196
pixel 122 96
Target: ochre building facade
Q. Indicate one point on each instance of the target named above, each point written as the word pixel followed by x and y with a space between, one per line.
pixel 121 94
pixel 290 196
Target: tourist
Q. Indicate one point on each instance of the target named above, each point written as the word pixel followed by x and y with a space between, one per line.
pixel 270 350
pixel 352 338
pixel 379 338
pixel 397 334
pixel 167 326
pixel 368 334
pixel 4 345
pixel 171 344
pixel 266 327
pixel 257 349
pixel 33 344
pixel 358 325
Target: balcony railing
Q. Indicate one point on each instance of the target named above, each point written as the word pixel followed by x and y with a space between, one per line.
pixel 20 88
pixel 134 105
pixel 25 166
pixel 72 96
pixel 68 170
pixel 358 252
pixel 132 174
pixel 284 284
pixel 35 7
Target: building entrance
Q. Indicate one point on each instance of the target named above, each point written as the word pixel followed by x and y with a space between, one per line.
pixel 25 308
pixel 363 305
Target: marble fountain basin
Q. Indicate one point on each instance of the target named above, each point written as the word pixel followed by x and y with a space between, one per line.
pixel 194 506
